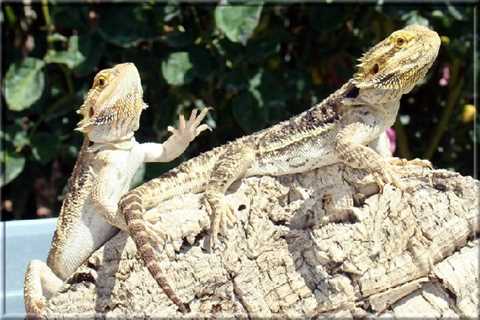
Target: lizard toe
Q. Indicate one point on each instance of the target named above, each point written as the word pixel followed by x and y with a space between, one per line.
pixel 36 308
pixel 388 176
pixel 414 162
pixel 421 163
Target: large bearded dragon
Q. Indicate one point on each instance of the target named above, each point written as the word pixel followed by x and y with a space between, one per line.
pixel 104 169
pixel 340 129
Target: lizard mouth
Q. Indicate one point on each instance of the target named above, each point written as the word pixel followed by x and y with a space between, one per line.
pixel 373 77
pixel 366 74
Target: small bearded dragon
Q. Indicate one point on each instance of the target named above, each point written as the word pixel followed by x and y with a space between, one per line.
pixel 104 169
pixel 337 130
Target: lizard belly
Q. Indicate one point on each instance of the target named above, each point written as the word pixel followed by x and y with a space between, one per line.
pixel 113 182
pixel 87 235
pixel 99 220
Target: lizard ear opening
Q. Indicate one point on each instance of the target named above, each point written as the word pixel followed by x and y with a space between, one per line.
pixel 352 93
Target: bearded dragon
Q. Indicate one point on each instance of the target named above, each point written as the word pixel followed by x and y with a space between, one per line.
pixel 337 130
pixel 107 162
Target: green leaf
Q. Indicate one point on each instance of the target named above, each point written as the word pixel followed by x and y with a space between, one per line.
pixel 125 25
pixel 92 48
pixel 10 15
pixel 24 83
pixel 71 57
pixel 413 17
pixel 247 113
pixel 67 17
pixel 268 91
pixel 57 37
pixel 177 69
pixel 260 49
pixel 178 39
pixel 254 87
pixel 271 89
pixel 234 80
pixel 21 140
pixel 45 147
pixel 82 55
pixel 171 11
pixel 322 19
pixel 237 22
pixel 203 63
pixel 13 164
pixel 63 106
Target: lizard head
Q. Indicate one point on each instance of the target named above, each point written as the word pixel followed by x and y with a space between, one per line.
pixel 111 110
pixel 397 63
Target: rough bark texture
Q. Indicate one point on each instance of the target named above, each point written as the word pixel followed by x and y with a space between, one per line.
pixel 297 250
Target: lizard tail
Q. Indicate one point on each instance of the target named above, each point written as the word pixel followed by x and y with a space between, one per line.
pixel 132 208
pixel 133 205
pixel 191 176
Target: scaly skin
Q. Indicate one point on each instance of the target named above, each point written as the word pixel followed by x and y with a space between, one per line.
pixel 108 159
pixel 338 130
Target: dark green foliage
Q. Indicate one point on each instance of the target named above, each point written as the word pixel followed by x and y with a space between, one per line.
pixel 255 64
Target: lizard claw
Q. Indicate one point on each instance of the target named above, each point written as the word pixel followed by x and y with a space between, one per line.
pixel 221 217
pixel 387 176
pixel 392 169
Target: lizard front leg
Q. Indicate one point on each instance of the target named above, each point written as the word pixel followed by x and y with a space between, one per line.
pixel 351 150
pixel 231 165
pixel 381 146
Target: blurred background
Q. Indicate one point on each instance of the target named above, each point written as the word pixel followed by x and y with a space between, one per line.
pixel 256 65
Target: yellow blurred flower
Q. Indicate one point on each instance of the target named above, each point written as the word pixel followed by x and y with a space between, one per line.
pixel 445 40
pixel 468 113
pixel 316 76
pixel 273 63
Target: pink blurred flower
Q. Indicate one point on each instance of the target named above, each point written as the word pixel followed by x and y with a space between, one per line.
pixel 392 139
pixel 44 212
pixel 443 82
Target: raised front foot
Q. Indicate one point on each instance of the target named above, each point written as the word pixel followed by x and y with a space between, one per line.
pixel 188 130
pixel 221 216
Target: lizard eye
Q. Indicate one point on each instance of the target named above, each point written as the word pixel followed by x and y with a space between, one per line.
pixel 375 69
pixel 400 41
pixel 101 81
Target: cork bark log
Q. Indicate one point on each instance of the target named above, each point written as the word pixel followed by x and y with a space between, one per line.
pixel 326 242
